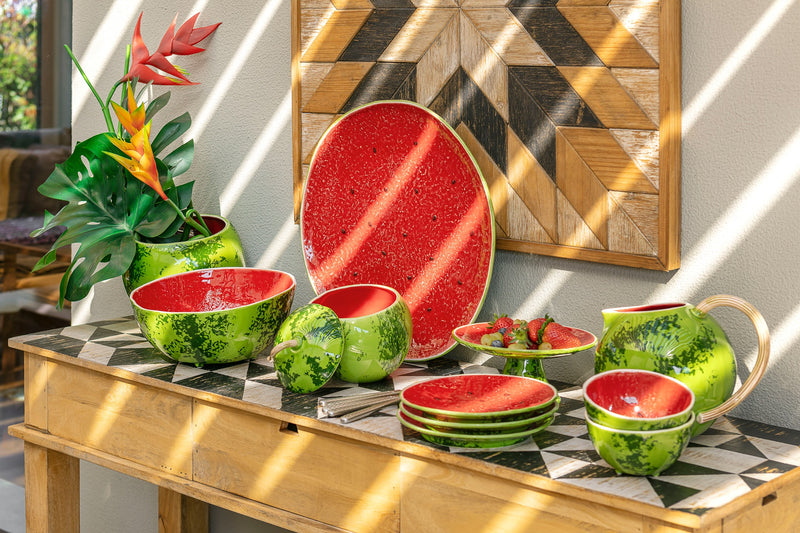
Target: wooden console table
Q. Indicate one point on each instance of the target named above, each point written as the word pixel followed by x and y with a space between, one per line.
pixel 232 437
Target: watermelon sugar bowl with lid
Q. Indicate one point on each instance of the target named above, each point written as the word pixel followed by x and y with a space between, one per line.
pixel 360 333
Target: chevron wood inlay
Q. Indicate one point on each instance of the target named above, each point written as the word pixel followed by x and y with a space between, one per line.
pixel 582 189
pixel 607 160
pixel 608 37
pixel 607 98
pixel 507 37
pixel 642 85
pixel 571 108
pixel 641 19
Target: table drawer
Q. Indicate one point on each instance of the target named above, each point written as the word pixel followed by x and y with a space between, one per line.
pixel 331 479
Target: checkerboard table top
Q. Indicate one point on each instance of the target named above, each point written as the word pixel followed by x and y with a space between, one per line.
pixel 731 458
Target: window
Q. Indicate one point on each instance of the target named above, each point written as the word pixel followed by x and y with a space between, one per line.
pixel 34 68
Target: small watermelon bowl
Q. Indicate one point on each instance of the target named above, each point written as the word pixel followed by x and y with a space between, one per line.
pixel 213 315
pixel 638 400
pixel 359 333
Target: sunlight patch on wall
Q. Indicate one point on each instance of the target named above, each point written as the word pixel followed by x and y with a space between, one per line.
pixel 279 120
pixel 235 67
pixel 104 44
pixel 280 243
pixel 543 294
pixel 734 225
pixel 784 338
pixel 198 7
pixel 733 63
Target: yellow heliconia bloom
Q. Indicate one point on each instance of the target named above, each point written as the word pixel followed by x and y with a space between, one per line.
pixel 131 119
pixel 140 161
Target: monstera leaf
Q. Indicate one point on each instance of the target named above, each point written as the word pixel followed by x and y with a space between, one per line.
pixel 107 210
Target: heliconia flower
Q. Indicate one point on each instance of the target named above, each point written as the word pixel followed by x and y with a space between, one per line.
pixel 131 119
pixel 141 162
pixel 172 43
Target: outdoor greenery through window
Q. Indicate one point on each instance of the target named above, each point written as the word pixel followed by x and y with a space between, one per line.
pixel 19 75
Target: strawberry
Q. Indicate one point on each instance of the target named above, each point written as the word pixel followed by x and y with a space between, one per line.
pixel 559 337
pixel 535 328
pixel 516 334
pixel 500 323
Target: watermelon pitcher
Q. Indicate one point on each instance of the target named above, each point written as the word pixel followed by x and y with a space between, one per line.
pixel 684 342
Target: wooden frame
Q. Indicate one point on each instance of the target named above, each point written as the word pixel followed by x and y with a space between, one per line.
pixel 577 132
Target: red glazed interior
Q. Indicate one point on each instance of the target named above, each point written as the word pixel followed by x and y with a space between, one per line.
pixel 479 393
pixel 213 289
pixel 639 394
pixel 357 300
pixel 215 225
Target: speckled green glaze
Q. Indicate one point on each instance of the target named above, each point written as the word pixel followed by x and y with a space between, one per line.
pixel 472 441
pixel 481 427
pixel 376 344
pixel 313 361
pixel 153 261
pixel 214 337
pixel 640 453
pixel 680 342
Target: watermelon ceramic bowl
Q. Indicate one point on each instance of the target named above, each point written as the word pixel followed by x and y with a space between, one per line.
pixel 361 333
pixel 640 453
pixel 215 315
pixel 633 399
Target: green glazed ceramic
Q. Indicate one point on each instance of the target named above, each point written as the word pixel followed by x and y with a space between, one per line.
pixel 478 427
pixel 637 400
pixel 308 348
pixel 377 330
pixel 640 453
pixel 216 315
pixel 470 441
pixel 684 342
pixel 152 261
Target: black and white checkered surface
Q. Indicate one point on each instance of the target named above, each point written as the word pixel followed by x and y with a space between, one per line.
pixel 729 459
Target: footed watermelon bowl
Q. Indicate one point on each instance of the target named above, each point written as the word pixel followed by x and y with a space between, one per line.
pixel 214 315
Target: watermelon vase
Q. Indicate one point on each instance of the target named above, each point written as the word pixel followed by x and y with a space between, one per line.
pixel 682 341
pixel 151 261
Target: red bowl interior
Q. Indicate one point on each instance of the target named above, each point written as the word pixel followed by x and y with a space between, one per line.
pixel 639 394
pixel 357 300
pixel 479 393
pixel 214 289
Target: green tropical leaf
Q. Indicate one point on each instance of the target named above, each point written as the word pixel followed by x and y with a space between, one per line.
pixel 155 105
pixel 107 210
pixel 170 132
pixel 180 159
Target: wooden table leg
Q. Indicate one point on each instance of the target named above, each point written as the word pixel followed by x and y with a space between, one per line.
pixel 52 491
pixel 178 513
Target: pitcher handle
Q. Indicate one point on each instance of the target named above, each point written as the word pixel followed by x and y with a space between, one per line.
pixel 762 331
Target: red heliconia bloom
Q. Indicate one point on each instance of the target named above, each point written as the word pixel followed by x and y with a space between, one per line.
pixel 182 42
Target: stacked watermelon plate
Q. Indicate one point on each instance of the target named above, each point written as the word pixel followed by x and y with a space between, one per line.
pixel 478 410
pixel 393 197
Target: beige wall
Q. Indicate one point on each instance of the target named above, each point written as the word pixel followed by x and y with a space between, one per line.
pixel 741 156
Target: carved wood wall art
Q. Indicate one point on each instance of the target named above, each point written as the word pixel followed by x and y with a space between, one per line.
pixel 570 107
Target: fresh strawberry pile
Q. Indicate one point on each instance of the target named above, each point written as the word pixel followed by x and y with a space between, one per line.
pixel 537 334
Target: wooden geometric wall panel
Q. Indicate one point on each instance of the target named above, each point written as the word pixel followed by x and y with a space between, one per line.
pixel 570 107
